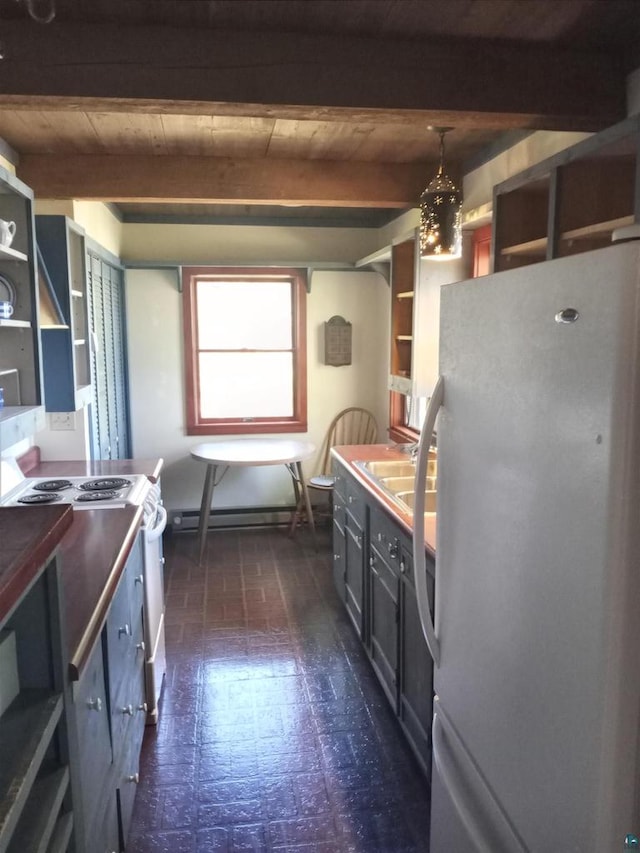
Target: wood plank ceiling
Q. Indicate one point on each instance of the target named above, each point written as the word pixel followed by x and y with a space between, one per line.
pixel 245 105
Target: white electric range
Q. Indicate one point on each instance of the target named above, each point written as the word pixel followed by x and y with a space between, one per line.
pixel 82 492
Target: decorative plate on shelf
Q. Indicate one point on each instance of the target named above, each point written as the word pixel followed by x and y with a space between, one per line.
pixel 7 290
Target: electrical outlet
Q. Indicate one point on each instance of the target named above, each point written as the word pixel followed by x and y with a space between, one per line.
pixel 62 420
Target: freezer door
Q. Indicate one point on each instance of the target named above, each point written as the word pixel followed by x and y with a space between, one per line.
pixel 465 816
pixel 537 581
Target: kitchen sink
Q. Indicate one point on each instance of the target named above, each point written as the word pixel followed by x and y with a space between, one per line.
pixel 429 500
pixel 394 468
pixel 396 479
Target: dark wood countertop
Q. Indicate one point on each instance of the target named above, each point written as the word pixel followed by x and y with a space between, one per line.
pixel 348 454
pixel 27 540
pixel 93 546
pixel 100 468
pixel 93 554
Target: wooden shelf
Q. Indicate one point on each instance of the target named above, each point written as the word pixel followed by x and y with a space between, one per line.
pixel 531 247
pixel 7 253
pixel 15 324
pixel 596 229
pixel 26 729
pixel 404 338
pixel 40 815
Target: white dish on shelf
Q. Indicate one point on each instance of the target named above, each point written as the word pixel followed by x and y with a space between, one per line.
pixel 7 290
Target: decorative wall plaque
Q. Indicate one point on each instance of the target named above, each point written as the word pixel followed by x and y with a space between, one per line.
pixel 337 342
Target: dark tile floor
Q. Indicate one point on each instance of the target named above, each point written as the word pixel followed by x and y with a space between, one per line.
pixel 274 734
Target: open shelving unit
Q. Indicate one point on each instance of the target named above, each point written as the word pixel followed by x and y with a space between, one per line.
pixel 20 359
pixel 35 797
pixel 402 298
pixel 570 203
pixel 67 358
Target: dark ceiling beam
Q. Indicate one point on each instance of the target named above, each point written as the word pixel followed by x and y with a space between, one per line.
pixel 513 85
pixel 190 179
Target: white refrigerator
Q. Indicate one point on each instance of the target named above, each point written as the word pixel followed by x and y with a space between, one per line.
pixel 536 619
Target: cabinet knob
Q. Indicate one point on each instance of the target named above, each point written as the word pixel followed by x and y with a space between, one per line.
pixel 125 629
pixel 403 568
pixel 134 777
pixel 141 646
pixel 140 580
pixel 372 560
pixel 350 499
pixel 336 557
pixel 143 707
pixel 393 548
pixel 128 709
pixel 162 561
pixel 379 537
pixel 94 704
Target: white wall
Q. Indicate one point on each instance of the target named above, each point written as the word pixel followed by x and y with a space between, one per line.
pixel 154 323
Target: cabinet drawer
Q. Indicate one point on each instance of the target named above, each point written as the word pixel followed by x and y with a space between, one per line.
pixel 94 742
pixel 128 700
pixel 134 577
pixel 340 475
pixel 124 633
pixel 385 537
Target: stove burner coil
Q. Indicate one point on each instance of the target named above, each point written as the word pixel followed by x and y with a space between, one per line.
pixel 52 486
pixel 42 498
pixel 104 495
pixel 104 483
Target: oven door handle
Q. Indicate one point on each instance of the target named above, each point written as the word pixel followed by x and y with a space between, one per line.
pixel 158 528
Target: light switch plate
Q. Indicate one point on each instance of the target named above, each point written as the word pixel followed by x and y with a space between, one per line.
pixel 62 420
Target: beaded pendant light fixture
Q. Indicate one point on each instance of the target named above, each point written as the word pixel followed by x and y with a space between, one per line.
pixel 440 214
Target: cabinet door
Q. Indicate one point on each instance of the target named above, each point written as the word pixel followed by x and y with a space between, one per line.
pixel 416 668
pixel 91 720
pixel 339 545
pixel 384 617
pixel 354 571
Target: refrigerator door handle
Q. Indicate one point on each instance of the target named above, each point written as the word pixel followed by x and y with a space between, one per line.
pixel 481 815
pixel 419 559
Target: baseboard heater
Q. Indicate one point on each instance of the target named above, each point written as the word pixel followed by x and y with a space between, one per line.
pixel 262 516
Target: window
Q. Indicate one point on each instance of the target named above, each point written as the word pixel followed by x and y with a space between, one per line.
pixel 245 350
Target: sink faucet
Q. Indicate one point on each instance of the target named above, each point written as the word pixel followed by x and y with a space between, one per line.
pixel 411 449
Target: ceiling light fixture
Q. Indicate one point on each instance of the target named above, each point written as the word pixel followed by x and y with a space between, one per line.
pixel 440 214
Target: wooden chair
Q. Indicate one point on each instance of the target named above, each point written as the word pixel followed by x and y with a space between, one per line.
pixel 353 425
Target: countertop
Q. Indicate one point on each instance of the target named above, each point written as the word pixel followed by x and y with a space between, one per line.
pixel 27 541
pixel 101 468
pixel 350 453
pixel 93 554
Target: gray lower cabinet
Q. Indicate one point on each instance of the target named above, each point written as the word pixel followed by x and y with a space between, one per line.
pixel 349 523
pixel 384 610
pixel 416 665
pixel 108 715
pixel 339 544
pixel 388 622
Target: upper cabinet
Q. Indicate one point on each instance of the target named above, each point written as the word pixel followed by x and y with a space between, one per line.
pixel 403 279
pixel 573 202
pixel 66 345
pixel 20 378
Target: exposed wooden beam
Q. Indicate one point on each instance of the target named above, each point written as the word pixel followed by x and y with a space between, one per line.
pixel 223 180
pixel 534 86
